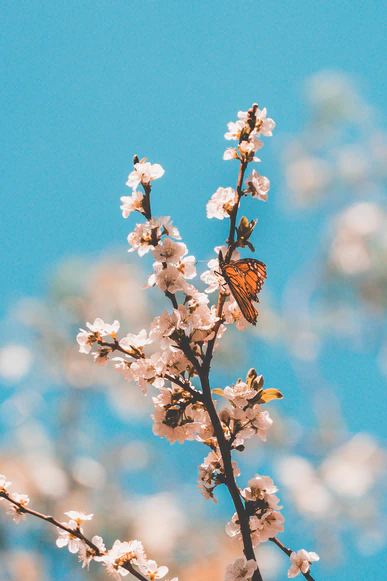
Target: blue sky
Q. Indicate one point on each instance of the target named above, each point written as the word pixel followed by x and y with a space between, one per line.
pixel 85 85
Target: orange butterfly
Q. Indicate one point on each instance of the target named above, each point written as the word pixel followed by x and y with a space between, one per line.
pixel 245 279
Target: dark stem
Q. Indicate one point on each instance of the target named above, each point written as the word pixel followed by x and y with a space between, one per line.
pixel 231 484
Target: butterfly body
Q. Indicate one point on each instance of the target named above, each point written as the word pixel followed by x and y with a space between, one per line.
pixel 245 279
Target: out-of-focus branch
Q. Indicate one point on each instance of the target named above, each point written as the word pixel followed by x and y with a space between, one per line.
pixel 73 532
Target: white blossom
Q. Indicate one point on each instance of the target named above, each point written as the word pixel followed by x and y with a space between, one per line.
pixel 233 314
pixel 4 484
pixel 16 512
pixel 147 235
pixel 235 129
pixel 144 172
pixel 221 203
pixel 230 153
pixel 151 570
pixel 86 554
pixel 239 393
pixel 167 279
pixel 135 342
pixel 78 516
pixel 265 521
pixel 96 331
pixel 248 149
pixel 301 561
pixel 68 540
pixel 133 203
pixel 169 251
pixel 121 553
pixel 258 186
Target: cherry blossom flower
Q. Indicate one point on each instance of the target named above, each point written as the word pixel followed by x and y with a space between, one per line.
pixel 4 484
pixel 259 487
pixel 86 554
pixel 263 125
pixel 169 251
pixel 151 570
pixel 266 526
pixel 240 570
pixel 240 393
pixel 78 516
pixel 235 129
pixel 221 203
pixel 146 236
pixel 135 342
pixel 230 153
pixel 68 540
pixel 249 148
pixel 211 474
pixel 133 203
pixel 123 367
pixel 16 512
pixel 212 277
pixel 101 358
pixel 233 314
pixel 167 279
pixel 122 553
pixel 144 172
pixel 166 324
pixel 187 268
pixel 97 330
pixel 265 521
pixel 301 561
pixel 103 329
pixel 260 421
pixel 258 186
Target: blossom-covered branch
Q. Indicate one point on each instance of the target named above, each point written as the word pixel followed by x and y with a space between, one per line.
pixel 121 559
pixel 185 339
pixel 175 356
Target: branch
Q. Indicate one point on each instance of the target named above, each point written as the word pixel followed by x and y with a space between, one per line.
pixel 73 532
pixel 288 553
pixel 229 475
pixel 50 519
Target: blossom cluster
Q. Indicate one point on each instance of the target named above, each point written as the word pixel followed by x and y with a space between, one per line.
pixel 262 505
pixel 224 200
pixel 175 354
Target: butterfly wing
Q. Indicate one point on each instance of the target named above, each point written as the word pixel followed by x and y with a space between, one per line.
pixel 254 274
pixel 245 279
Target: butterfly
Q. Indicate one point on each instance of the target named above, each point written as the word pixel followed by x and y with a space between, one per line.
pixel 245 279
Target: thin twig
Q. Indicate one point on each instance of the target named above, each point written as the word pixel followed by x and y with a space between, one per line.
pixel 288 553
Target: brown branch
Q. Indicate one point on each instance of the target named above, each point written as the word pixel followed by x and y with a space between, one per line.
pixel 231 247
pixel 186 386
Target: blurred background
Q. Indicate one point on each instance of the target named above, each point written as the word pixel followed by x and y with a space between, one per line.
pixel 87 85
